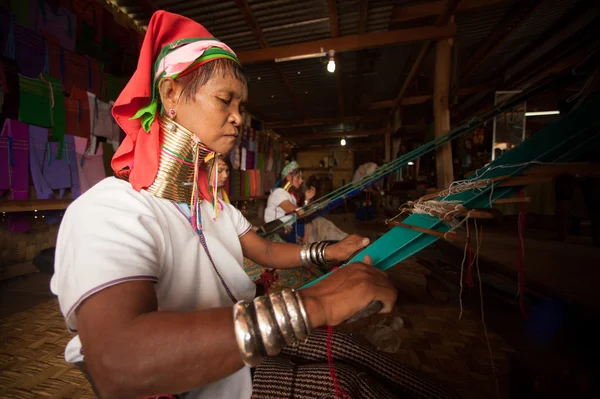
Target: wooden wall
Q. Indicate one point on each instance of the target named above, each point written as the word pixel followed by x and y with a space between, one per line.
pixel 18 249
pixel 309 161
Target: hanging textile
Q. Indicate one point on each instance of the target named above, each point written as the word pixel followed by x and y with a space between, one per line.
pixel 6 35
pixel 14 159
pixel 74 70
pixel 90 164
pixel 102 122
pixel 95 76
pixel 47 172
pixel 59 25
pixel 59 115
pixel 31 52
pixel 24 12
pixel 78 114
pixel 109 153
pixel 9 79
pixel 35 102
pixel 89 12
pixel 116 38
pixel 112 87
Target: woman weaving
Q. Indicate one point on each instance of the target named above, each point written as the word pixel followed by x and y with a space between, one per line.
pixel 285 201
pixel 148 263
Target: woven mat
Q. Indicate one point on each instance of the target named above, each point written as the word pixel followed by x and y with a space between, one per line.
pixel 433 340
pixel 32 363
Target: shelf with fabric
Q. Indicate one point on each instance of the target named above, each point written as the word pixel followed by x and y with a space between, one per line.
pixel 34 205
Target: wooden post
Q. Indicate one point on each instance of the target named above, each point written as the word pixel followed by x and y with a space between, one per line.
pixel 441 111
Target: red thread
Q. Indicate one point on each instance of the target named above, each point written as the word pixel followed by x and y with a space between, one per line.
pixel 339 391
pixel 469 277
pixel 267 279
pixel 520 256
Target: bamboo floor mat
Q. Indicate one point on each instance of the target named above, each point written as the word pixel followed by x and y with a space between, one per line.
pixel 32 344
pixel 32 363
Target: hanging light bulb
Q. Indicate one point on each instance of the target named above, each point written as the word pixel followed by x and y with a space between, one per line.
pixel 331 63
pixel 343 141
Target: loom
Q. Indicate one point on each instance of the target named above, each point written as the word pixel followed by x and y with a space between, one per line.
pixel 557 143
pixel 352 189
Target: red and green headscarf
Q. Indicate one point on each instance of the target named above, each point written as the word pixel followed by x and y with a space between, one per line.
pixel 173 46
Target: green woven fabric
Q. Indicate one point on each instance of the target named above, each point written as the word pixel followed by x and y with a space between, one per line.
pixel 86 44
pixel 35 102
pixel 112 87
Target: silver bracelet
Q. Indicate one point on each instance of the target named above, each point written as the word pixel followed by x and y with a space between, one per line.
pixel 295 314
pixel 314 253
pixel 264 326
pixel 245 333
pixel 305 255
pixel 322 246
pixel 267 325
pixel 303 311
pixel 282 318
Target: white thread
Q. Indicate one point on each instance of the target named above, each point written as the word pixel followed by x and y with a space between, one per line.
pixel 462 268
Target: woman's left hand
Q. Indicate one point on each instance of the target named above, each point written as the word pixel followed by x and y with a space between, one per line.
pixel 342 250
pixel 310 193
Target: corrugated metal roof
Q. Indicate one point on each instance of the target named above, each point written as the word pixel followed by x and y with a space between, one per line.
pixel 382 70
pixel 474 26
pixel 544 16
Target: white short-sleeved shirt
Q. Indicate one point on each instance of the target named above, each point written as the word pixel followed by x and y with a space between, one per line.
pixel 273 210
pixel 113 234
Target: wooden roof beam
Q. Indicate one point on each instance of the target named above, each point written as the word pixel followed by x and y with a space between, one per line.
pixel 447 11
pixel 413 100
pixel 507 25
pixel 418 11
pixel 322 121
pixel 348 43
pixel 557 29
pixel 324 136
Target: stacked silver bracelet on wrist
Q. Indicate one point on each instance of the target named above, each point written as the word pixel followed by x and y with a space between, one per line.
pixel 263 327
pixel 314 253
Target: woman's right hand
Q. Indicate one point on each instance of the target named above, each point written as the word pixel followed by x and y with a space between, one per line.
pixel 347 291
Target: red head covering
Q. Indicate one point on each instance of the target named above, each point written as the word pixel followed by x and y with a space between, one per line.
pixel 139 152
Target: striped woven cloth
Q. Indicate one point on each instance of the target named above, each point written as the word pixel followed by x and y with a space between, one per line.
pixel 302 371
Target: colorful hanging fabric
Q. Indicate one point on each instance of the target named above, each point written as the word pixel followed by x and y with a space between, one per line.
pixel 90 12
pixel 78 114
pixel 9 79
pixel 24 13
pixel 31 52
pixel 102 122
pixel 14 159
pixel 35 102
pixel 74 70
pixel 113 85
pixel 90 164
pixel 109 153
pixel 6 33
pixel 49 173
pixel 60 25
pixel 59 115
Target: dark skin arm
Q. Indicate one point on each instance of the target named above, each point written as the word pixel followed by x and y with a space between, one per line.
pixel 286 256
pixel 131 350
pixel 287 206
